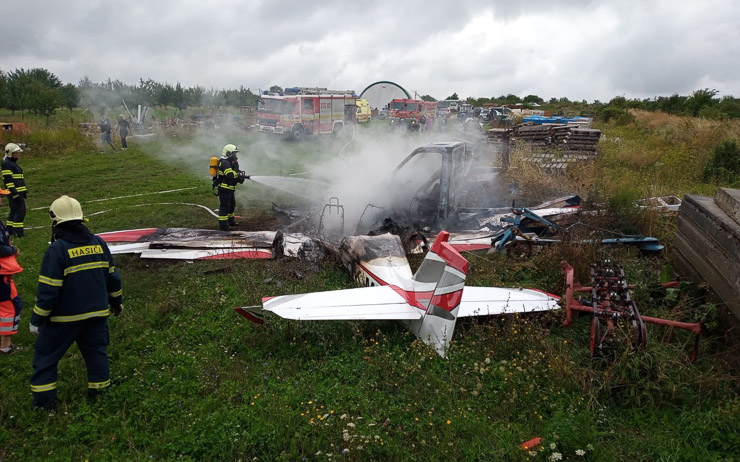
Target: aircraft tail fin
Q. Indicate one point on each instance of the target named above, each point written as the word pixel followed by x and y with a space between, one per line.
pixel 445 269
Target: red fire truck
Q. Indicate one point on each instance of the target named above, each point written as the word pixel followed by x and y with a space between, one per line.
pixel 409 113
pixel 299 112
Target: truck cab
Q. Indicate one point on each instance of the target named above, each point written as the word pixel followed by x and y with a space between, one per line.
pixel 428 187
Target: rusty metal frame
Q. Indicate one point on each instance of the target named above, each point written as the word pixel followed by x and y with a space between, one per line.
pixel 572 305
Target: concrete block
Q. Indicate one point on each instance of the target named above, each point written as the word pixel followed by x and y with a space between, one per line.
pixel 729 201
pixel 729 294
pixel 717 225
pixel 708 248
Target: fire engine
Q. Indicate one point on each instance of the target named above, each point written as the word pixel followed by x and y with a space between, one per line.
pixel 409 113
pixel 299 112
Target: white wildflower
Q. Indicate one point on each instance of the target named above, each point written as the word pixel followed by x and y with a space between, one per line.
pixel 553 445
pixel 556 456
pixel 580 452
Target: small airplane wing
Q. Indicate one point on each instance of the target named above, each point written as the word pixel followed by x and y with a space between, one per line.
pixel 365 303
pixel 486 301
pixel 191 244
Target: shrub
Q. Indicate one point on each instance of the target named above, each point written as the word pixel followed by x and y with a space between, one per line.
pixel 723 166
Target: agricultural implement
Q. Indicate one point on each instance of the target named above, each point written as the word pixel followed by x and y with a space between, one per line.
pixel 613 309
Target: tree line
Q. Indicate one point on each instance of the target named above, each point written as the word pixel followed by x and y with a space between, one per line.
pixel 41 92
pixel 701 103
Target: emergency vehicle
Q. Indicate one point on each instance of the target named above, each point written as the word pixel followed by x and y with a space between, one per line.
pixel 409 112
pixel 299 112
pixel 363 111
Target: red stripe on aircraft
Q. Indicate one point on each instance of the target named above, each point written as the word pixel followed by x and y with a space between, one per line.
pixel 443 236
pixel 246 254
pixel 248 315
pixel 469 247
pixel 556 297
pixel 448 301
pixel 453 258
pixel 127 236
pixel 412 298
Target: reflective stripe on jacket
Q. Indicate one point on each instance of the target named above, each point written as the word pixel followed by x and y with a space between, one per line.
pixel 77 281
pixel 13 176
pixel 228 173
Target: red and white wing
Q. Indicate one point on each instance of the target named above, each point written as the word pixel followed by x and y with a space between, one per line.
pixel 486 301
pixel 380 303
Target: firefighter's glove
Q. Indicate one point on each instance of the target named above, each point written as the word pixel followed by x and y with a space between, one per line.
pixel 116 310
pixel 34 329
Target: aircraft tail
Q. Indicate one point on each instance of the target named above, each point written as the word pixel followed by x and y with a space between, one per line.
pixel 444 269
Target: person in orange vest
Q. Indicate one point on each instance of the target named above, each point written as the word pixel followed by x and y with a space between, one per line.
pixel 10 301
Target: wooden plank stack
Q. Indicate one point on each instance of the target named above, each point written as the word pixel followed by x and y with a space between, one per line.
pixel 582 140
pixel 554 145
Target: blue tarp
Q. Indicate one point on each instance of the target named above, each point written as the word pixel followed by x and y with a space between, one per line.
pixel 539 120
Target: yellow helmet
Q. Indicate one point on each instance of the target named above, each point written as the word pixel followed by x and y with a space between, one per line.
pixel 65 209
pixel 10 148
pixel 230 150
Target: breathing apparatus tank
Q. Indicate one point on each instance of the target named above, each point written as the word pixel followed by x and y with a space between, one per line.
pixel 213 171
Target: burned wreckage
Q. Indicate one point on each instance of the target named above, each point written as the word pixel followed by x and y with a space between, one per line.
pixel 435 202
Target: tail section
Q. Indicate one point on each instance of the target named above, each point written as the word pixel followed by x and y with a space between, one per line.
pixel 446 270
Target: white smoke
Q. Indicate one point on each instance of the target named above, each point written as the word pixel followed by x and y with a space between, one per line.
pixel 356 168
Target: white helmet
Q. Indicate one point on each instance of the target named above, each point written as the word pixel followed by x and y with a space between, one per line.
pixel 65 209
pixel 230 150
pixel 10 148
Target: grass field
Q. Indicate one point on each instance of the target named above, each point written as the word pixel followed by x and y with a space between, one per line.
pixel 194 381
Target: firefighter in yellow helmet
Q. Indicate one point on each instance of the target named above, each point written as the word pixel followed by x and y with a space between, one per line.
pixel 14 181
pixel 79 286
pixel 229 175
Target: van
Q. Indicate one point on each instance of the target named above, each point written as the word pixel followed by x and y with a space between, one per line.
pixel 363 110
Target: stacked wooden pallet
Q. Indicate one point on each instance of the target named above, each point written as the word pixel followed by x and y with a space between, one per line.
pixel 535 135
pixel 707 247
pixel 556 146
pixel 583 140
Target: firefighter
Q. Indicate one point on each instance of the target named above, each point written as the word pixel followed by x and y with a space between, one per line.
pixel 229 176
pixel 78 282
pixel 16 184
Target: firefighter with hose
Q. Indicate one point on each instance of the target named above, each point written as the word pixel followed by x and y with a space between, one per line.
pixel 227 176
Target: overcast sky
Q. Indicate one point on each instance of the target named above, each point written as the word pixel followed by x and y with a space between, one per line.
pixel 591 50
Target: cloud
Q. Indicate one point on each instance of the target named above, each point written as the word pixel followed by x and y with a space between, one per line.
pixel 581 50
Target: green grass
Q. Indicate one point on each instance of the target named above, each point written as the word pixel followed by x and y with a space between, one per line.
pixel 194 381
